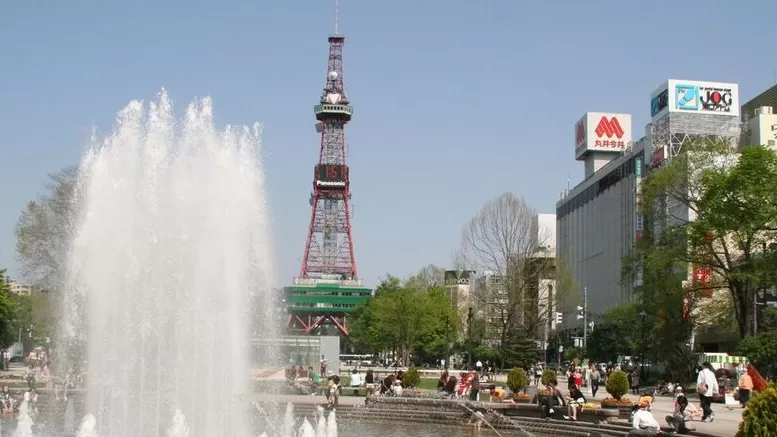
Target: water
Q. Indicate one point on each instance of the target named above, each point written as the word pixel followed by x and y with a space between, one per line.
pixel 24 423
pixel 171 251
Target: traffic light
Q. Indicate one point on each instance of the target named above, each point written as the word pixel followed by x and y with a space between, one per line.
pixel 580 312
pixel 559 318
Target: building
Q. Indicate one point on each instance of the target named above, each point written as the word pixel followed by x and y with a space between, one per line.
pixel 458 283
pixel 759 117
pixel 545 234
pixel 296 350
pixel 598 221
pixel 20 289
pixel 760 129
pixel 767 98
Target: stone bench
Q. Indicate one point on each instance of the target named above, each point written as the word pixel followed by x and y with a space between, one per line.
pixel 589 415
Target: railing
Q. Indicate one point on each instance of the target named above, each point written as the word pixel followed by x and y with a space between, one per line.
pixel 339 109
pixel 341 282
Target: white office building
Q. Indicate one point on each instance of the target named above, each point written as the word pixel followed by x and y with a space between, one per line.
pixel 598 221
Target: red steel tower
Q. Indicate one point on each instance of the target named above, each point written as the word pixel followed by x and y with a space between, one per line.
pixel 329 247
pixel 328 289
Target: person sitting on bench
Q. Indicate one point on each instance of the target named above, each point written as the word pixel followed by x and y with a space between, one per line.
pixel 644 424
pixel 356 379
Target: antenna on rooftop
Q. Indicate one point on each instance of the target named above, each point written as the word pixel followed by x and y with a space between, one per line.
pixel 337 17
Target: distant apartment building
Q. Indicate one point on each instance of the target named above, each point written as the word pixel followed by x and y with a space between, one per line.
pixel 760 129
pixel 20 289
pixel 759 118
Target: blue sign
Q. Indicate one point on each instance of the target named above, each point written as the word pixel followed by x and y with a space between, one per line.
pixel 659 102
pixel 687 97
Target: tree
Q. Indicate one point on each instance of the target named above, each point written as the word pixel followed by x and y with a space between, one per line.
pixel 7 324
pixel 761 350
pixel 505 241
pixel 407 320
pixel 39 311
pixel 428 277
pixel 717 213
pixel 767 321
pixel 615 334
pixel 43 231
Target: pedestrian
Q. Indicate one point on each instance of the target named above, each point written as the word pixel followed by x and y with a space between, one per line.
pixel 596 379
pixel 706 386
pixel 745 385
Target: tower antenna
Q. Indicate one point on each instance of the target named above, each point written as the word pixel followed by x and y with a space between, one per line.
pixel 337 17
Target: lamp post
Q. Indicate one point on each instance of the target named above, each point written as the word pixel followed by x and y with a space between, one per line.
pixel 642 315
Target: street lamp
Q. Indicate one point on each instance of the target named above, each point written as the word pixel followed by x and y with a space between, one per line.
pixel 642 315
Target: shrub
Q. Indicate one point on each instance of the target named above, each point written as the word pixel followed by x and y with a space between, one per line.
pixel 411 378
pixel 517 379
pixel 760 417
pixel 617 384
pixel 547 376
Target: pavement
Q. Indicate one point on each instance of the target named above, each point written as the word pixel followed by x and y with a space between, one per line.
pixel 726 421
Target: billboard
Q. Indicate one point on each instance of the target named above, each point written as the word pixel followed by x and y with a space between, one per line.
pixel 602 132
pixel 458 277
pixel 693 96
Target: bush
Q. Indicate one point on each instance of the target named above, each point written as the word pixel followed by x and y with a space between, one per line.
pixel 547 376
pixel 760 417
pixel 411 378
pixel 517 379
pixel 618 384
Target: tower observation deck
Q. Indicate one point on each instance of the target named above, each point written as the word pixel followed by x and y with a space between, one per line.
pixel 328 290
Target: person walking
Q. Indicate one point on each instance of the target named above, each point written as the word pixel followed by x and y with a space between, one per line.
pixel 706 386
pixel 596 379
pixel 745 385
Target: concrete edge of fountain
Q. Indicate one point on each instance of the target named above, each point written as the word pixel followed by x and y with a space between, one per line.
pixel 449 412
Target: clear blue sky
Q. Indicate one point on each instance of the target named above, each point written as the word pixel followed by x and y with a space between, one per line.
pixel 455 101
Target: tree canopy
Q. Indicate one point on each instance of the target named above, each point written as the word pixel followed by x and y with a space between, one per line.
pixel 7 313
pixel 43 231
pixel 712 210
pixel 419 324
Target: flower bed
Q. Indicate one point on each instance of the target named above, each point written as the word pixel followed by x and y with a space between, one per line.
pixel 623 402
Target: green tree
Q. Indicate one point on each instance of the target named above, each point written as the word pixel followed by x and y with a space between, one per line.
pixel 7 316
pixel 44 228
pixel 732 201
pixel 761 350
pixel 767 321
pixel 38 311
pixel 616 333
pixel 407 320
pixel 760 417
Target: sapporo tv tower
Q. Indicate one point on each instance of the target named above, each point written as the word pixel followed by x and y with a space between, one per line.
pixel 328 289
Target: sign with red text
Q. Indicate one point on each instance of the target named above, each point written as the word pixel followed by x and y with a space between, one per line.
pixel 702 280
pixel 602 132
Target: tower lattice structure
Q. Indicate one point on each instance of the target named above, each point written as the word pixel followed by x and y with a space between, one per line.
pixel 329 251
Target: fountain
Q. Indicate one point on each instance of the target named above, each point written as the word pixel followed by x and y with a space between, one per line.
pixel 171 250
